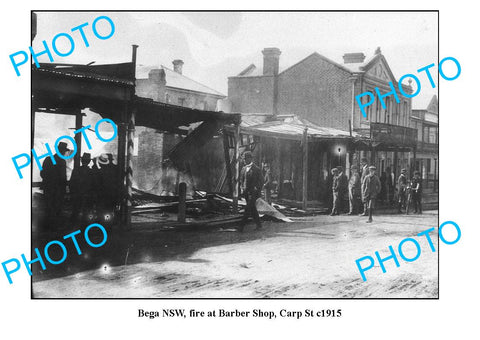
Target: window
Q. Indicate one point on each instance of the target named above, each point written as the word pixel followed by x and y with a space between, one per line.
pixel 425 134
pixel 377 110
pixel 167 98
pixel 181 101
pixel 433 134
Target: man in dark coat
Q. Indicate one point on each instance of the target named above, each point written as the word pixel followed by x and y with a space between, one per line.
pixel 371 188
pixel 354 189
pixel 251 183
pixel 417 192
pixel 54 183
pixel 81 187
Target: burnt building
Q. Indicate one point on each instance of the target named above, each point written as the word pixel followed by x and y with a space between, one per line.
pixel 153 172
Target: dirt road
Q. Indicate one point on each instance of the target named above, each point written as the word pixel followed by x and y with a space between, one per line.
pixel 310 258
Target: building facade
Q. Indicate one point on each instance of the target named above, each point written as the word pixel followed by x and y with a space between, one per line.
pixel 424 118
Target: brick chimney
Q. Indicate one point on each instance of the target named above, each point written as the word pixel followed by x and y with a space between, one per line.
pixel 271 57
pixel 155 87
pixel 350 58
pixel 157 76
pixel 177 65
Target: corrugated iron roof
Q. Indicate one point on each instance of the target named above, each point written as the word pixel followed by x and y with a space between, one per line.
pixel 293 127
pixel 85 75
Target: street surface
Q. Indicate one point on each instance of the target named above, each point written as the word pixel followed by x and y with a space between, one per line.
pixel 313 257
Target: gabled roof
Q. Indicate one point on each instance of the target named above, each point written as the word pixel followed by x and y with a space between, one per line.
pixel 317 55
pixel 376 58
pixel 253 71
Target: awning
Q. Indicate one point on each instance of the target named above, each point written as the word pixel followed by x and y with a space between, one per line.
pixel 292 128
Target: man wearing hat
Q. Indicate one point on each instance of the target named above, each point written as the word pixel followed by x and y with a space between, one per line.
pixel 81 187
pixel 354 189
pixel 364 167
pixel 402 189
pixel 251 183
pixel 54 183
pixel 417 192
pixel 371 190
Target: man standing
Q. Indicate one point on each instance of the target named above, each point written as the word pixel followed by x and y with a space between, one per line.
pixel 335 191
pixel 402 189
pixel 251 183
pixel 371 190
pixel 354 189
pixel 342 188
pixel 417 192
pixel 364 165
pixel 54 182
pixel 81 187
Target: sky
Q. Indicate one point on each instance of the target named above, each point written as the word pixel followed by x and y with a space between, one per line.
pixel 216 45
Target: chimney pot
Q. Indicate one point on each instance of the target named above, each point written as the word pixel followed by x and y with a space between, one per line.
pixel 350 58
pixel 177 65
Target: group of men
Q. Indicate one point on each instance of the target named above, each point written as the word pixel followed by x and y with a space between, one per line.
pixel 365 187
pixel 90 188
pixel 95 188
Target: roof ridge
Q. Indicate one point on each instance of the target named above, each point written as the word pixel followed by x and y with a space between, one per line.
pixel 180 74
pixel 322 57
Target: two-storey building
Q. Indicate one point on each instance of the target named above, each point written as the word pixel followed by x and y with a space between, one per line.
pixel 323 92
